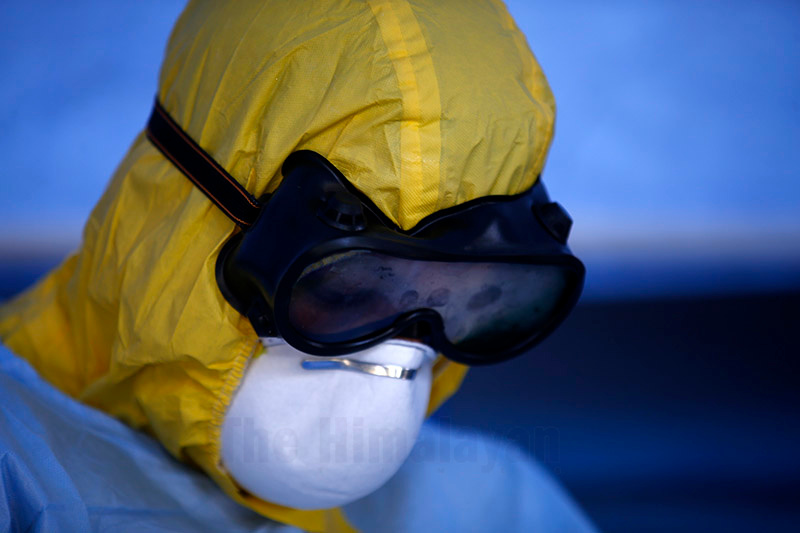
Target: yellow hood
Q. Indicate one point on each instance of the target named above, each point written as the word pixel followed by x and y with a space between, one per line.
pixel 422 105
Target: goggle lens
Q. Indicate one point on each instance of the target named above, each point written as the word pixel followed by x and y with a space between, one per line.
pixel 484 306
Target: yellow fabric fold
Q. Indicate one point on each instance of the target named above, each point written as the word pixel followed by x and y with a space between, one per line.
pixel 420 137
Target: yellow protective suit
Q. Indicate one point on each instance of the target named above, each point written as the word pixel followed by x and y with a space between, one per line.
pixel 422 104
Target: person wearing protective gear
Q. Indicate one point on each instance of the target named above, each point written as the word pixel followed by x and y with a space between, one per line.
pixel 363 193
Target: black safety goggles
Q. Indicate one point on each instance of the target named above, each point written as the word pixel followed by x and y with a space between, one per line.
pixel 318 264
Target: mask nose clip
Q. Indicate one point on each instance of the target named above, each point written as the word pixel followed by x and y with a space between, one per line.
pixel 374 369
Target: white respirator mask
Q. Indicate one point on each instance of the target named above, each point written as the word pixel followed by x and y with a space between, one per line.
pixel 317 432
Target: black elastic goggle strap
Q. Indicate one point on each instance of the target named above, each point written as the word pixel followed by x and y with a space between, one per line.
pixel 198 166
